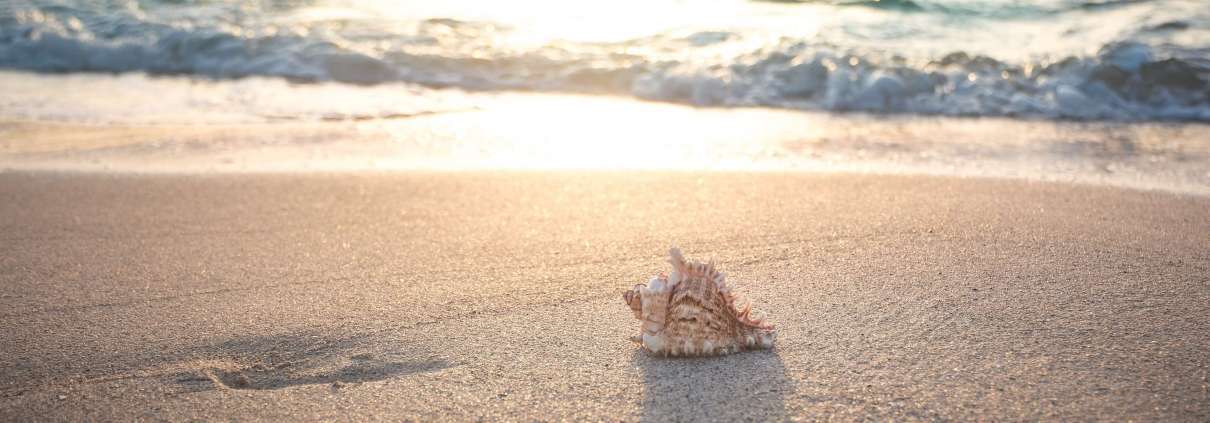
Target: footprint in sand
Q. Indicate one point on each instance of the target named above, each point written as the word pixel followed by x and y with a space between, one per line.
pixel 357 369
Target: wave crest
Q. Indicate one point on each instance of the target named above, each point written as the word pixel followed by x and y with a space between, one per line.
pixel 1123 81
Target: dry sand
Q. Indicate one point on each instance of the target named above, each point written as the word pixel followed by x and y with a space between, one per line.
pixel 486 295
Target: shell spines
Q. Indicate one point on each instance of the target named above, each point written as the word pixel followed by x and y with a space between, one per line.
pixel 695 311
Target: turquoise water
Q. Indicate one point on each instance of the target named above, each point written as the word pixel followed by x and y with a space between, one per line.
pixel 1099 60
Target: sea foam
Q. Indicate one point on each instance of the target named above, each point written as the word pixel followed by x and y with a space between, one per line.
pixel 1145 75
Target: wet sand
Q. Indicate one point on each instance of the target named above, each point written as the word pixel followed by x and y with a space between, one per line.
pixel 496 295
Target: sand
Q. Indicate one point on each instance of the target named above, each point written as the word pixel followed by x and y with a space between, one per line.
pixel 460 296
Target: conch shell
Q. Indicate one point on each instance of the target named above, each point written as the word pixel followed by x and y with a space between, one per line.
pixel 695 312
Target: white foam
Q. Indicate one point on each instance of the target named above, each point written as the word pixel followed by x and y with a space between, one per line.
pixel 1143 75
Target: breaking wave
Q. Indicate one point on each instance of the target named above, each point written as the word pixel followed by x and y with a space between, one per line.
pixel 1136 78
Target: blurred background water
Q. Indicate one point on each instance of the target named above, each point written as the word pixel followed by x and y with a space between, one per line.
pixel 1109 60
pixel 1096 91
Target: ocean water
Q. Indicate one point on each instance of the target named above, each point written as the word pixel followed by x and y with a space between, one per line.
pixel 1088 60
pixel 1101 92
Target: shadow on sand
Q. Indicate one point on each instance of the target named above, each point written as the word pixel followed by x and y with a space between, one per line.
pixel 738 387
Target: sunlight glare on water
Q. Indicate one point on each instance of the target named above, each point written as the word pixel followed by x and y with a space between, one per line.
pixel 543 21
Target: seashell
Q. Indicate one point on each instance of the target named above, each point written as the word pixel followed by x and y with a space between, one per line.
pixel 695 312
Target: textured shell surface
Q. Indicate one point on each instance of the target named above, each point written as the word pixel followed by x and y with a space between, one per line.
pixel 694 311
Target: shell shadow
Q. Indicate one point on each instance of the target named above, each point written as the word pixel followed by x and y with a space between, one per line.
pixel 744 386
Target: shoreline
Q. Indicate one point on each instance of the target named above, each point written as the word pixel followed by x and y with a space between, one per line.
pixel 170 125
pixel 853 171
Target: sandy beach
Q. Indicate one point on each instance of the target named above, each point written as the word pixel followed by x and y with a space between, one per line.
pixel 480 295
pixel 370 210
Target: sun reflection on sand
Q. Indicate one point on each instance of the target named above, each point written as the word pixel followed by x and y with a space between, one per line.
pixel 573 132
pixel 172 126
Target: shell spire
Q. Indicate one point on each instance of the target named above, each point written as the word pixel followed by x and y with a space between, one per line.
pixel 695 311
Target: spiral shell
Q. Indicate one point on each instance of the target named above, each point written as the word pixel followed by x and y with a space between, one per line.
pixel 695 312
